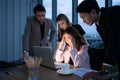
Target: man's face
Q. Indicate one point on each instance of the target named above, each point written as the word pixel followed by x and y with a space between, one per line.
pixel 40 16
pixel 88 18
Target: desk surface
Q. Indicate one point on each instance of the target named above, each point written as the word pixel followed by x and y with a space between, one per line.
pixel 20 73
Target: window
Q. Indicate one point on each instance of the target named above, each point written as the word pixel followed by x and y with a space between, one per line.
pixel 48 6
pixel 64 8
pixel 115 2
pixel 101 3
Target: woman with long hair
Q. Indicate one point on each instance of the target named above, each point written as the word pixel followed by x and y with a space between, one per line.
pixel 76 50
pixel 63 22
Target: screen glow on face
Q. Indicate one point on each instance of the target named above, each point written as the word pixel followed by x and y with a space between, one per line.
pixel 68 38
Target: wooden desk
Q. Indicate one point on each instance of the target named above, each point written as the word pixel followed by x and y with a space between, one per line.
pixel 20 73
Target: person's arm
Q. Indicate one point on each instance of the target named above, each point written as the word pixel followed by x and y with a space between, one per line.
pixel 58 55
pixel 113 42
pixel 53 31
pixel 80 58
pixel 26 35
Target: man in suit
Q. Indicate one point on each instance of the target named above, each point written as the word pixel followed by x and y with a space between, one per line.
pixel 106 20
pixel 37 30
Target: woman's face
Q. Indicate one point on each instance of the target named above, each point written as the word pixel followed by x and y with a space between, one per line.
pixel 62 24
pixel 68 39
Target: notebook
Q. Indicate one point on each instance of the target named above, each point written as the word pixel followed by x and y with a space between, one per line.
pixel 46 53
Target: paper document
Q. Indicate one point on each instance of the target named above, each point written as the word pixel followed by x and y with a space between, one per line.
pixel 82 71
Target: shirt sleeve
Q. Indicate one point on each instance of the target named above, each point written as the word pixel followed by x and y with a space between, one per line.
pixel 113 38
pixel 58 55
pixel 80 58
pixel 26 35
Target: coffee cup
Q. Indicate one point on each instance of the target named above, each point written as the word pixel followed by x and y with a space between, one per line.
pixel 65 68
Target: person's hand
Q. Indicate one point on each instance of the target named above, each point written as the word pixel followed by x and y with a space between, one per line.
pixel 25 55
pixel 93 76
pixel 33 62
pixel 60 45
pixel 106 69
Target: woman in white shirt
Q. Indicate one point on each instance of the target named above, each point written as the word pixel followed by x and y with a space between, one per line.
pixel 75 50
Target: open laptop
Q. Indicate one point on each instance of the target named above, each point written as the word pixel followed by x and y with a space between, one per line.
pixel 46 53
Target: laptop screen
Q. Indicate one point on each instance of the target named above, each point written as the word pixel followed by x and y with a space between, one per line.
pixel 46 54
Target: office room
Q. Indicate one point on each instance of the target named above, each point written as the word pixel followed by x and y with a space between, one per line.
pixel 15 37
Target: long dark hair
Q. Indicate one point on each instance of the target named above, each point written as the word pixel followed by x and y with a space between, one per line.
pixel 61 17
pixel 79 40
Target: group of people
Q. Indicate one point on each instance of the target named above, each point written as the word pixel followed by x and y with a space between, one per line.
pixel 72 46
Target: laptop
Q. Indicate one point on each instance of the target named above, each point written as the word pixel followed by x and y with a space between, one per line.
pixel 45 52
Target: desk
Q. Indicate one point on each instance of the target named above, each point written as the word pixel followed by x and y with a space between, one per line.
pixel 20 73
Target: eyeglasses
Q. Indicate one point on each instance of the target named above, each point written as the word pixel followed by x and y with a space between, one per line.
pixel 42 15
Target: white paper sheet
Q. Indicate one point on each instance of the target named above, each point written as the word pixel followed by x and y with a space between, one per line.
pixel 81 71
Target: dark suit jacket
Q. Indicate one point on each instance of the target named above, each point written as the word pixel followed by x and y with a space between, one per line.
pixel 32 33
pixel 108 29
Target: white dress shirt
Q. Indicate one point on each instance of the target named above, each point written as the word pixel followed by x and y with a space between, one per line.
pixel 80 58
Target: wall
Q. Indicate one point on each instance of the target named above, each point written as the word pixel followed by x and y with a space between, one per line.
pixel 13 15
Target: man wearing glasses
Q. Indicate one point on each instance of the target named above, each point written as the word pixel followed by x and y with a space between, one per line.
pixel 37 30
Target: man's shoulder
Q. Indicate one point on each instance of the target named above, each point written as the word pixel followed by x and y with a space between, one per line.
pixel 116 7
pixel 110 9
pixel 48 20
